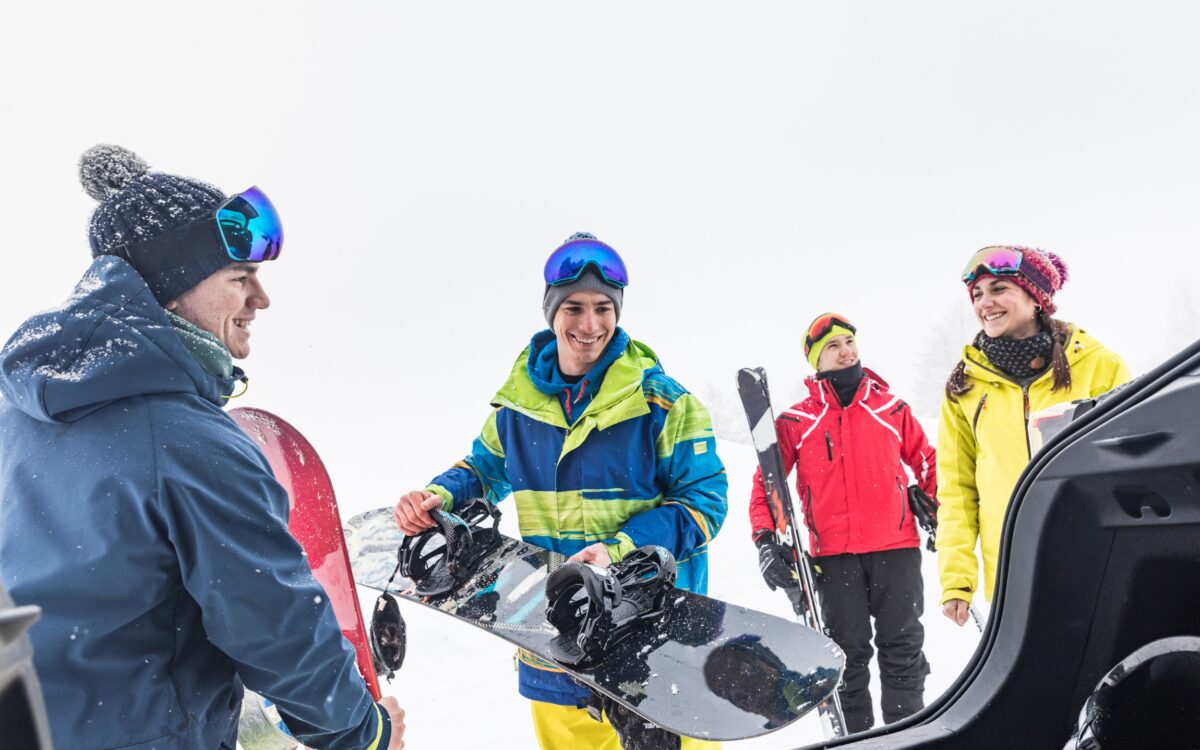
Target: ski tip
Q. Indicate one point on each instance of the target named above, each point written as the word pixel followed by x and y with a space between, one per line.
pixel 750 374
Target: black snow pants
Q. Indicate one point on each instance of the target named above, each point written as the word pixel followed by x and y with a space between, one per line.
pixel 886 586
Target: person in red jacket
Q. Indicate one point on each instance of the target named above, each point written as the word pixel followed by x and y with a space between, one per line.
pixel 849 442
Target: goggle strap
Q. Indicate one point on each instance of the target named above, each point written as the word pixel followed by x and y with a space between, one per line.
pixel 1036 277
pixel 172 249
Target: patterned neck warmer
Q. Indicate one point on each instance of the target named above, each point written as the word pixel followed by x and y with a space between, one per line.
pixel 1018 358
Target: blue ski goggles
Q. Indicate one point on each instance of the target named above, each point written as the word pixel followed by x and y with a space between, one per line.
pixel 570 260
pixel 250 227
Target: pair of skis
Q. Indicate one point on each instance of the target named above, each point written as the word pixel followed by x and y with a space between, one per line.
pixel 756 400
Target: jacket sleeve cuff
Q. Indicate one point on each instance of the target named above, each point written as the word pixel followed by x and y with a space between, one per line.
pixel 619 549
pixel 383 736
pixel 444 494
pixel 951 594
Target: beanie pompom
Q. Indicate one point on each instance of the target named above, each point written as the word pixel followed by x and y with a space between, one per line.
pixel 1060 265
pixel 136 205
pixel 104 169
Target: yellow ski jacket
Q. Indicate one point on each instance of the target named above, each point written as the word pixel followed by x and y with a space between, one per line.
pixel 983 446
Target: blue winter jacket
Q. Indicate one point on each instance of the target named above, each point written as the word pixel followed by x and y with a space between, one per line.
pixel 626 456
pixel 152 534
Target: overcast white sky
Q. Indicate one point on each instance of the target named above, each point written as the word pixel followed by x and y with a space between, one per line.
pixel 755 163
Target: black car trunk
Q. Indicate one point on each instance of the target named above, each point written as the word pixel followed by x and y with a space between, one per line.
pixel 1100 555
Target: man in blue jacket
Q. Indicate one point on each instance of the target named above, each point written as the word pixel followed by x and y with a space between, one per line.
pixel 146 525
pixel 602 453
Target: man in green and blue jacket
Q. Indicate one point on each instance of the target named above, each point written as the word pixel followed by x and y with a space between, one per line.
pixel 603 453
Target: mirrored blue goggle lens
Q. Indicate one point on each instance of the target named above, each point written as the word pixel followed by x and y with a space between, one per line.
pixel 996 260
pixel 250 227
pixel 568 262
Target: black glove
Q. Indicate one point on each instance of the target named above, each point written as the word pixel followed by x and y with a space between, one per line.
pixel 924 509
pixel 773 560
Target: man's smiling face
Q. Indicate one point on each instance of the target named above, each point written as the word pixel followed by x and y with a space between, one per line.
pixel 225 304
pixel 583 325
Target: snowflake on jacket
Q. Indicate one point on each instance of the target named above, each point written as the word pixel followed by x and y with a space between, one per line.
pixel 152 533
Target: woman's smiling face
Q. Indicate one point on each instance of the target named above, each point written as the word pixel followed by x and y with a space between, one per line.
pixel 1003 308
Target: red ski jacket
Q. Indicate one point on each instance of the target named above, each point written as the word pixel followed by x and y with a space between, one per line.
pixel 851 486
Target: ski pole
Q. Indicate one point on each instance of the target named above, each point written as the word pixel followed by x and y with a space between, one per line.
pixel 975 616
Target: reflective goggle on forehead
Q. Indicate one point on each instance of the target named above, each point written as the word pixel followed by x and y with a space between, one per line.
pixel 1003 261
pixel 250 227
pixel 246 227
pixel 821 327
pixel 569 261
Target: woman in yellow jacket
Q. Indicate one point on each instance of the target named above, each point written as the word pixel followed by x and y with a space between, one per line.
pixel 1022 361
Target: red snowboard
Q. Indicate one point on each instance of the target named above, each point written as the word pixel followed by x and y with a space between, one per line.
pixel 315 522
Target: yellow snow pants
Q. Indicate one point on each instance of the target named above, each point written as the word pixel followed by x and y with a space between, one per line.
pixel 569 728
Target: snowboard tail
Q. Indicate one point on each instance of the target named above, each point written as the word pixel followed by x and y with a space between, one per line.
pixel 314 521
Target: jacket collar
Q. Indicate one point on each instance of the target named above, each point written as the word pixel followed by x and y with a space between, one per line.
pixel 1079 345
pixel 110 340
pixel 614 399
pixel 542 364
pixel 822 390
pixel 213 356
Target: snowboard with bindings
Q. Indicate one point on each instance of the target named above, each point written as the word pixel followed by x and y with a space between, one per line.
pixel 756 400
pixel 703 669
pixel 315 522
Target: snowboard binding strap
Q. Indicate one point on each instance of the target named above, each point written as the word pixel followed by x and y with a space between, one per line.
pixel 439 569
pixel 595 608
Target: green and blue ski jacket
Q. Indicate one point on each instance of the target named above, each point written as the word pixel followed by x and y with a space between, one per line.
pixel 634 464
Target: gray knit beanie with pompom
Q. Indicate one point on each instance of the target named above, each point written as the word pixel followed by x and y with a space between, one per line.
pixel 138 205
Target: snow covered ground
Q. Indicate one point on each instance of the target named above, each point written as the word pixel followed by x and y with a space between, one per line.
pixel 458 684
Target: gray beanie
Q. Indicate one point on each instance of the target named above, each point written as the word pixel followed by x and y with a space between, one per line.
pixel 589 281
pixel 137 205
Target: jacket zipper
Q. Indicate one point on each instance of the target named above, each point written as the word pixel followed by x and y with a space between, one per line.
pixel 1025 396
pixel 828 446
pixel 978 411
pixel 903 502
